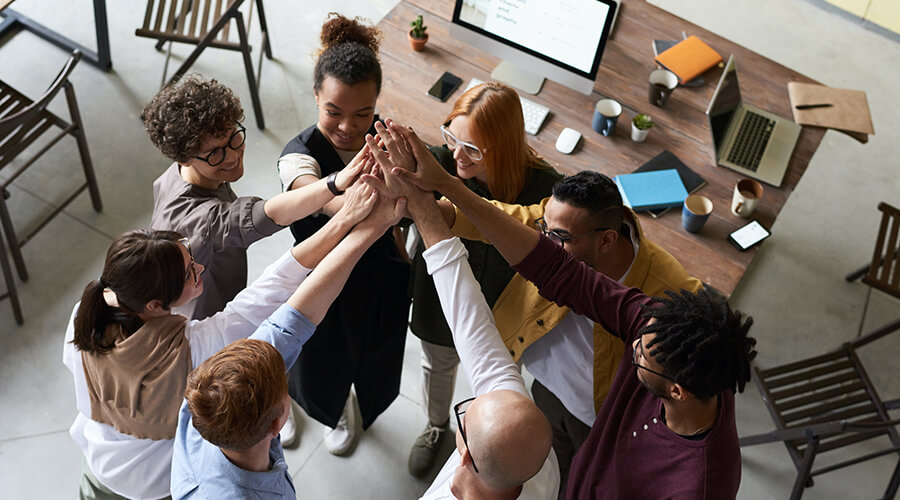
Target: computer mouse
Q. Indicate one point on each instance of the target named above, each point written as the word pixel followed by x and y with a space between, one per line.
pixel 567 140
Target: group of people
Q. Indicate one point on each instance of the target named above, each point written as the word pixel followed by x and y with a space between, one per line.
pixel 186 377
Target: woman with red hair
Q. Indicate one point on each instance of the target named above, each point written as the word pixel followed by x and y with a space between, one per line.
pixel 485 145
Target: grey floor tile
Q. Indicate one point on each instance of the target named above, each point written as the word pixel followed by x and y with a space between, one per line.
pixel 52 462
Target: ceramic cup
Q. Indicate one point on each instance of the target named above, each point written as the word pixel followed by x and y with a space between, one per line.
pixel 662 83
pixel 747 193
pixel 695 212
pixel 606 112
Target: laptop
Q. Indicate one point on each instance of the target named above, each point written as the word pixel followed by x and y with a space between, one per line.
pixel 747 139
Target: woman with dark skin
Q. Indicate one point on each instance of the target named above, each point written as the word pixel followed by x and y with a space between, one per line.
pixel 360 342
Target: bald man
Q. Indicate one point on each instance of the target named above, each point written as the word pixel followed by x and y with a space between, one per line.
pixel 502 438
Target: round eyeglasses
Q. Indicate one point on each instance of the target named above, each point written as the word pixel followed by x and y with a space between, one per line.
pixel 471 150
pixel 217 155
pixel 560 237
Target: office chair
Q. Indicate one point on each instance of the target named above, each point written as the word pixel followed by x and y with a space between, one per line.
pixel 22 122
pixel 206 23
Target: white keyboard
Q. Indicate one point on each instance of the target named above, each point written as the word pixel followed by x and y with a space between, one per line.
pixel 534 113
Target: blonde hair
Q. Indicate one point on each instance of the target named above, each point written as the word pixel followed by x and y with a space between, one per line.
pixel 497 125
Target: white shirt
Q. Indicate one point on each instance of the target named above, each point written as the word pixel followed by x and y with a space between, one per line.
pixel 563 359
pixel 140 468
pixel 484 358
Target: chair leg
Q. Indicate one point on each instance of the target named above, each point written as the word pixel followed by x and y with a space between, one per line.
pixel 10 230
pixel 248 66
pixel 855 275
pixel 264 27
pixel 11 292
pixel 803 478
pixel 862 320
pixel 891 490
pixel 83 148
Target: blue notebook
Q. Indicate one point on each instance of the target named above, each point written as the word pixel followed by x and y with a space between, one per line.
pixel 651 190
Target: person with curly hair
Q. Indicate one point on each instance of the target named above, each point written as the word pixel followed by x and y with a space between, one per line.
pixel 485 146
pixel 362 337
pixel 667 426
pixel 197 124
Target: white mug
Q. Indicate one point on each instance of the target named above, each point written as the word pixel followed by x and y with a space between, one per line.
pixel 747 193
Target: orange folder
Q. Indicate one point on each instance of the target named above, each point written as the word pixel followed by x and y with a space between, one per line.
pixel 688 58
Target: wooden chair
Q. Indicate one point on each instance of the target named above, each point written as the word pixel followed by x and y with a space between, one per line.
pixel 205 23
pixel 22 122
pixel 824 404
pixel 883 272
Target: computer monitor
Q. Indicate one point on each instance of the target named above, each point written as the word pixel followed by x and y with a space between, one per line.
pixel 558 39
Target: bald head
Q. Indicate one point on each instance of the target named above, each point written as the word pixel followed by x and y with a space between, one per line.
pixel 509 437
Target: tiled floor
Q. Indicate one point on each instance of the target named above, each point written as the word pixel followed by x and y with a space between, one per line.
pixel 794 289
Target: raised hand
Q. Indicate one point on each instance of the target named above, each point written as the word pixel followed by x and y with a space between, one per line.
pixel 348 175
pixel 396 146
pixel 387 212
pixel 429 175
pixel 360 199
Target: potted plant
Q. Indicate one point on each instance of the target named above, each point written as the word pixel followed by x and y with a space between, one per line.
pixel 417 35
pixel 640 127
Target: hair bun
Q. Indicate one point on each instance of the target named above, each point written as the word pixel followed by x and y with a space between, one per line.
pixel 338 29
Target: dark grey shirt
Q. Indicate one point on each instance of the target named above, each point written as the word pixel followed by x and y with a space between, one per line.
pixel 220 226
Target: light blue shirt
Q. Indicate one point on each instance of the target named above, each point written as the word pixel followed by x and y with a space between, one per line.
pixel 201 470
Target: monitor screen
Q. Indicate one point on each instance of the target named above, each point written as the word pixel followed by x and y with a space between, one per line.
pixel 725 101
pixel 568 34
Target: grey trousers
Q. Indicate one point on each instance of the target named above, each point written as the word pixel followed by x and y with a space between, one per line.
pixel 439 364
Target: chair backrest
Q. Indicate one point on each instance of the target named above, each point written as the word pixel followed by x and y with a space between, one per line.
pixel 185 20
pixel 31 113
pixel 884 272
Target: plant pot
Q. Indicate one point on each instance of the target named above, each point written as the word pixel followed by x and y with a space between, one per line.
pixel 638 135
pixel 417 44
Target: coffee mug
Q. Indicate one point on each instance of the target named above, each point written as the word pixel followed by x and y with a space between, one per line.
pixel 606 112
pixel 695 212
pixel 662 83
pixel 747 193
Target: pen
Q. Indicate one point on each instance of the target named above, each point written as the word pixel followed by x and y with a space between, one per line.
pixel 813 106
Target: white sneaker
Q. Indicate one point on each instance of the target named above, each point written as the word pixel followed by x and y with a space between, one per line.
pixel 290 438
pixel 342 439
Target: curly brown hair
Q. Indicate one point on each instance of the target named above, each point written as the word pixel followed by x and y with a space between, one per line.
pixel 187 112
pixel 349 52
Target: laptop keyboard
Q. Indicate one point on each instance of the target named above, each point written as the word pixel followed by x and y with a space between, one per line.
pixel 751 141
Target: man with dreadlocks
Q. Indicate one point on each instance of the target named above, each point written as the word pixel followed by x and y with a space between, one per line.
pixel 666 428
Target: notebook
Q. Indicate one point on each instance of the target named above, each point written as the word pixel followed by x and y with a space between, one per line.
pixel 666 160
pixel 651 190
pixel 747 139
pixel 688 58
pixel 848 111
pixel 660 46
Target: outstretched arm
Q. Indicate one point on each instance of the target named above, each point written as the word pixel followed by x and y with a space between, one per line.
pixel 315 295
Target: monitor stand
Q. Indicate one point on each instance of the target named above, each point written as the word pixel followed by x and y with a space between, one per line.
pixel 514 75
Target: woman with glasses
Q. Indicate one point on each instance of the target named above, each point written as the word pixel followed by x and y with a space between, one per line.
pixel 361 339
pixel 130 354
pixel 485 146
pixel 196 123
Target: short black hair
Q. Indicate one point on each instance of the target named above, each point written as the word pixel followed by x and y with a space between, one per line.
pixel 701 342
pixel 595 193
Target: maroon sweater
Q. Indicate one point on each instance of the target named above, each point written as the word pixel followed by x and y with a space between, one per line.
pixel 630 453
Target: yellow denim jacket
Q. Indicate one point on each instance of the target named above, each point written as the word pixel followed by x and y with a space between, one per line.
pixel 523 316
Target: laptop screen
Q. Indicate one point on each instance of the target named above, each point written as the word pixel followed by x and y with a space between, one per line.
pixel 724 103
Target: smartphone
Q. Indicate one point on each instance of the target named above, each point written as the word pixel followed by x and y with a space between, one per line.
pixel 748 236
pixel 445 86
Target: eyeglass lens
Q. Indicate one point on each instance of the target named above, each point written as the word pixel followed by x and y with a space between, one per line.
pixel 217 156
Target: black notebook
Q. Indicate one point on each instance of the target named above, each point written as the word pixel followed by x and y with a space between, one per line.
pixel 666 160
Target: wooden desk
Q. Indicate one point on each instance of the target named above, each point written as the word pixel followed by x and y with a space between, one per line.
pixel 681 126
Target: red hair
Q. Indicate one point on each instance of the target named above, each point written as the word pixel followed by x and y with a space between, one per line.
pixel 497 126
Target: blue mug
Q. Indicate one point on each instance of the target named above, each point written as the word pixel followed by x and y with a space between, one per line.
pixel 606 112
pixel 695 212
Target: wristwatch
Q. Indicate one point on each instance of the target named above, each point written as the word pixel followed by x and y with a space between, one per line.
pixel 332 185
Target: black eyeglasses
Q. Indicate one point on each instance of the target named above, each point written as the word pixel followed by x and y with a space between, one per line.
pixel 217 156
pixel 558 237
pixel 460 409
pixel 635 363
pixel 192 268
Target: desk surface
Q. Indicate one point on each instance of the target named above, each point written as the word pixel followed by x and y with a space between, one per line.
pixel 681 126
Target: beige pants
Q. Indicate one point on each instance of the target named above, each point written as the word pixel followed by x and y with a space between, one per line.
pixel 439 365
